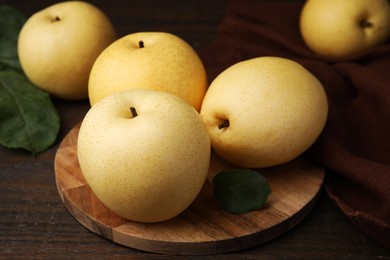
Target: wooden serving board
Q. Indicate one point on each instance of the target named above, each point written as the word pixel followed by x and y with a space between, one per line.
pixel 203 228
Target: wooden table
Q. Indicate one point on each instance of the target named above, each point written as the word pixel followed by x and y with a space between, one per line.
pixel 35 223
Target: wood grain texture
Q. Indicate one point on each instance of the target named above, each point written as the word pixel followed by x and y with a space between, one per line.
pixel 203 228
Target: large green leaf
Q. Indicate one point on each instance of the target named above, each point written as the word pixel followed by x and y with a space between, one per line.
pixel 28 118
pixel 11 21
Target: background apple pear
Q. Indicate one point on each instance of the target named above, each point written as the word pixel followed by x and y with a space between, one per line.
pixel 264 111
pixel 149 60
pixel 342 30
pixel 147 167
pixel 58 45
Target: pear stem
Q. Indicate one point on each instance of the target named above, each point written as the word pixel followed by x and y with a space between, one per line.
pixel 133 112
pixel 56 19
pixel 141 44
pixel 224 124
pixel 365 24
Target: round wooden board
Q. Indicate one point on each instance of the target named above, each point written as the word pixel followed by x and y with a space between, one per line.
pixel 203 228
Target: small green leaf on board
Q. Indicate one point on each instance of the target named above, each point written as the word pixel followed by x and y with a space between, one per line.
pixel 241 191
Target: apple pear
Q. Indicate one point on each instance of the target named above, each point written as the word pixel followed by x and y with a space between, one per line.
pixel 149 60
pixel 264 111
pixel 58 45
pixel 144 153
pixel 343 30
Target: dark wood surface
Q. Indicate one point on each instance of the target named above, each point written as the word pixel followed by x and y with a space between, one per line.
pixel 34 223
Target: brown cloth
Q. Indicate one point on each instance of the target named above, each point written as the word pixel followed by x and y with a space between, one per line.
pixel 355 144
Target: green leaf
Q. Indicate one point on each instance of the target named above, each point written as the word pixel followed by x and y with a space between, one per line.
pixel 11 21
pixel 241 191
pixel 28 118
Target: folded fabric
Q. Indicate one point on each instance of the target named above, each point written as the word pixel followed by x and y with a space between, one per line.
pixel 355 144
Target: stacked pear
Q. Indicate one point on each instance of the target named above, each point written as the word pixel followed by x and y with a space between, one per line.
pixel 264 111
pixel 149 60
pixel 144 153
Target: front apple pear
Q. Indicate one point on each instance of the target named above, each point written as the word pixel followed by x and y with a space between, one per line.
pixel 149 60
pixel 144 153
pixel 343 30
pixel 264 111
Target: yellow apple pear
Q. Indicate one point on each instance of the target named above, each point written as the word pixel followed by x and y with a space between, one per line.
pixel 343 30
pixel 149 60
pixel 264 111
pixel 58 45
pixel 145 153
